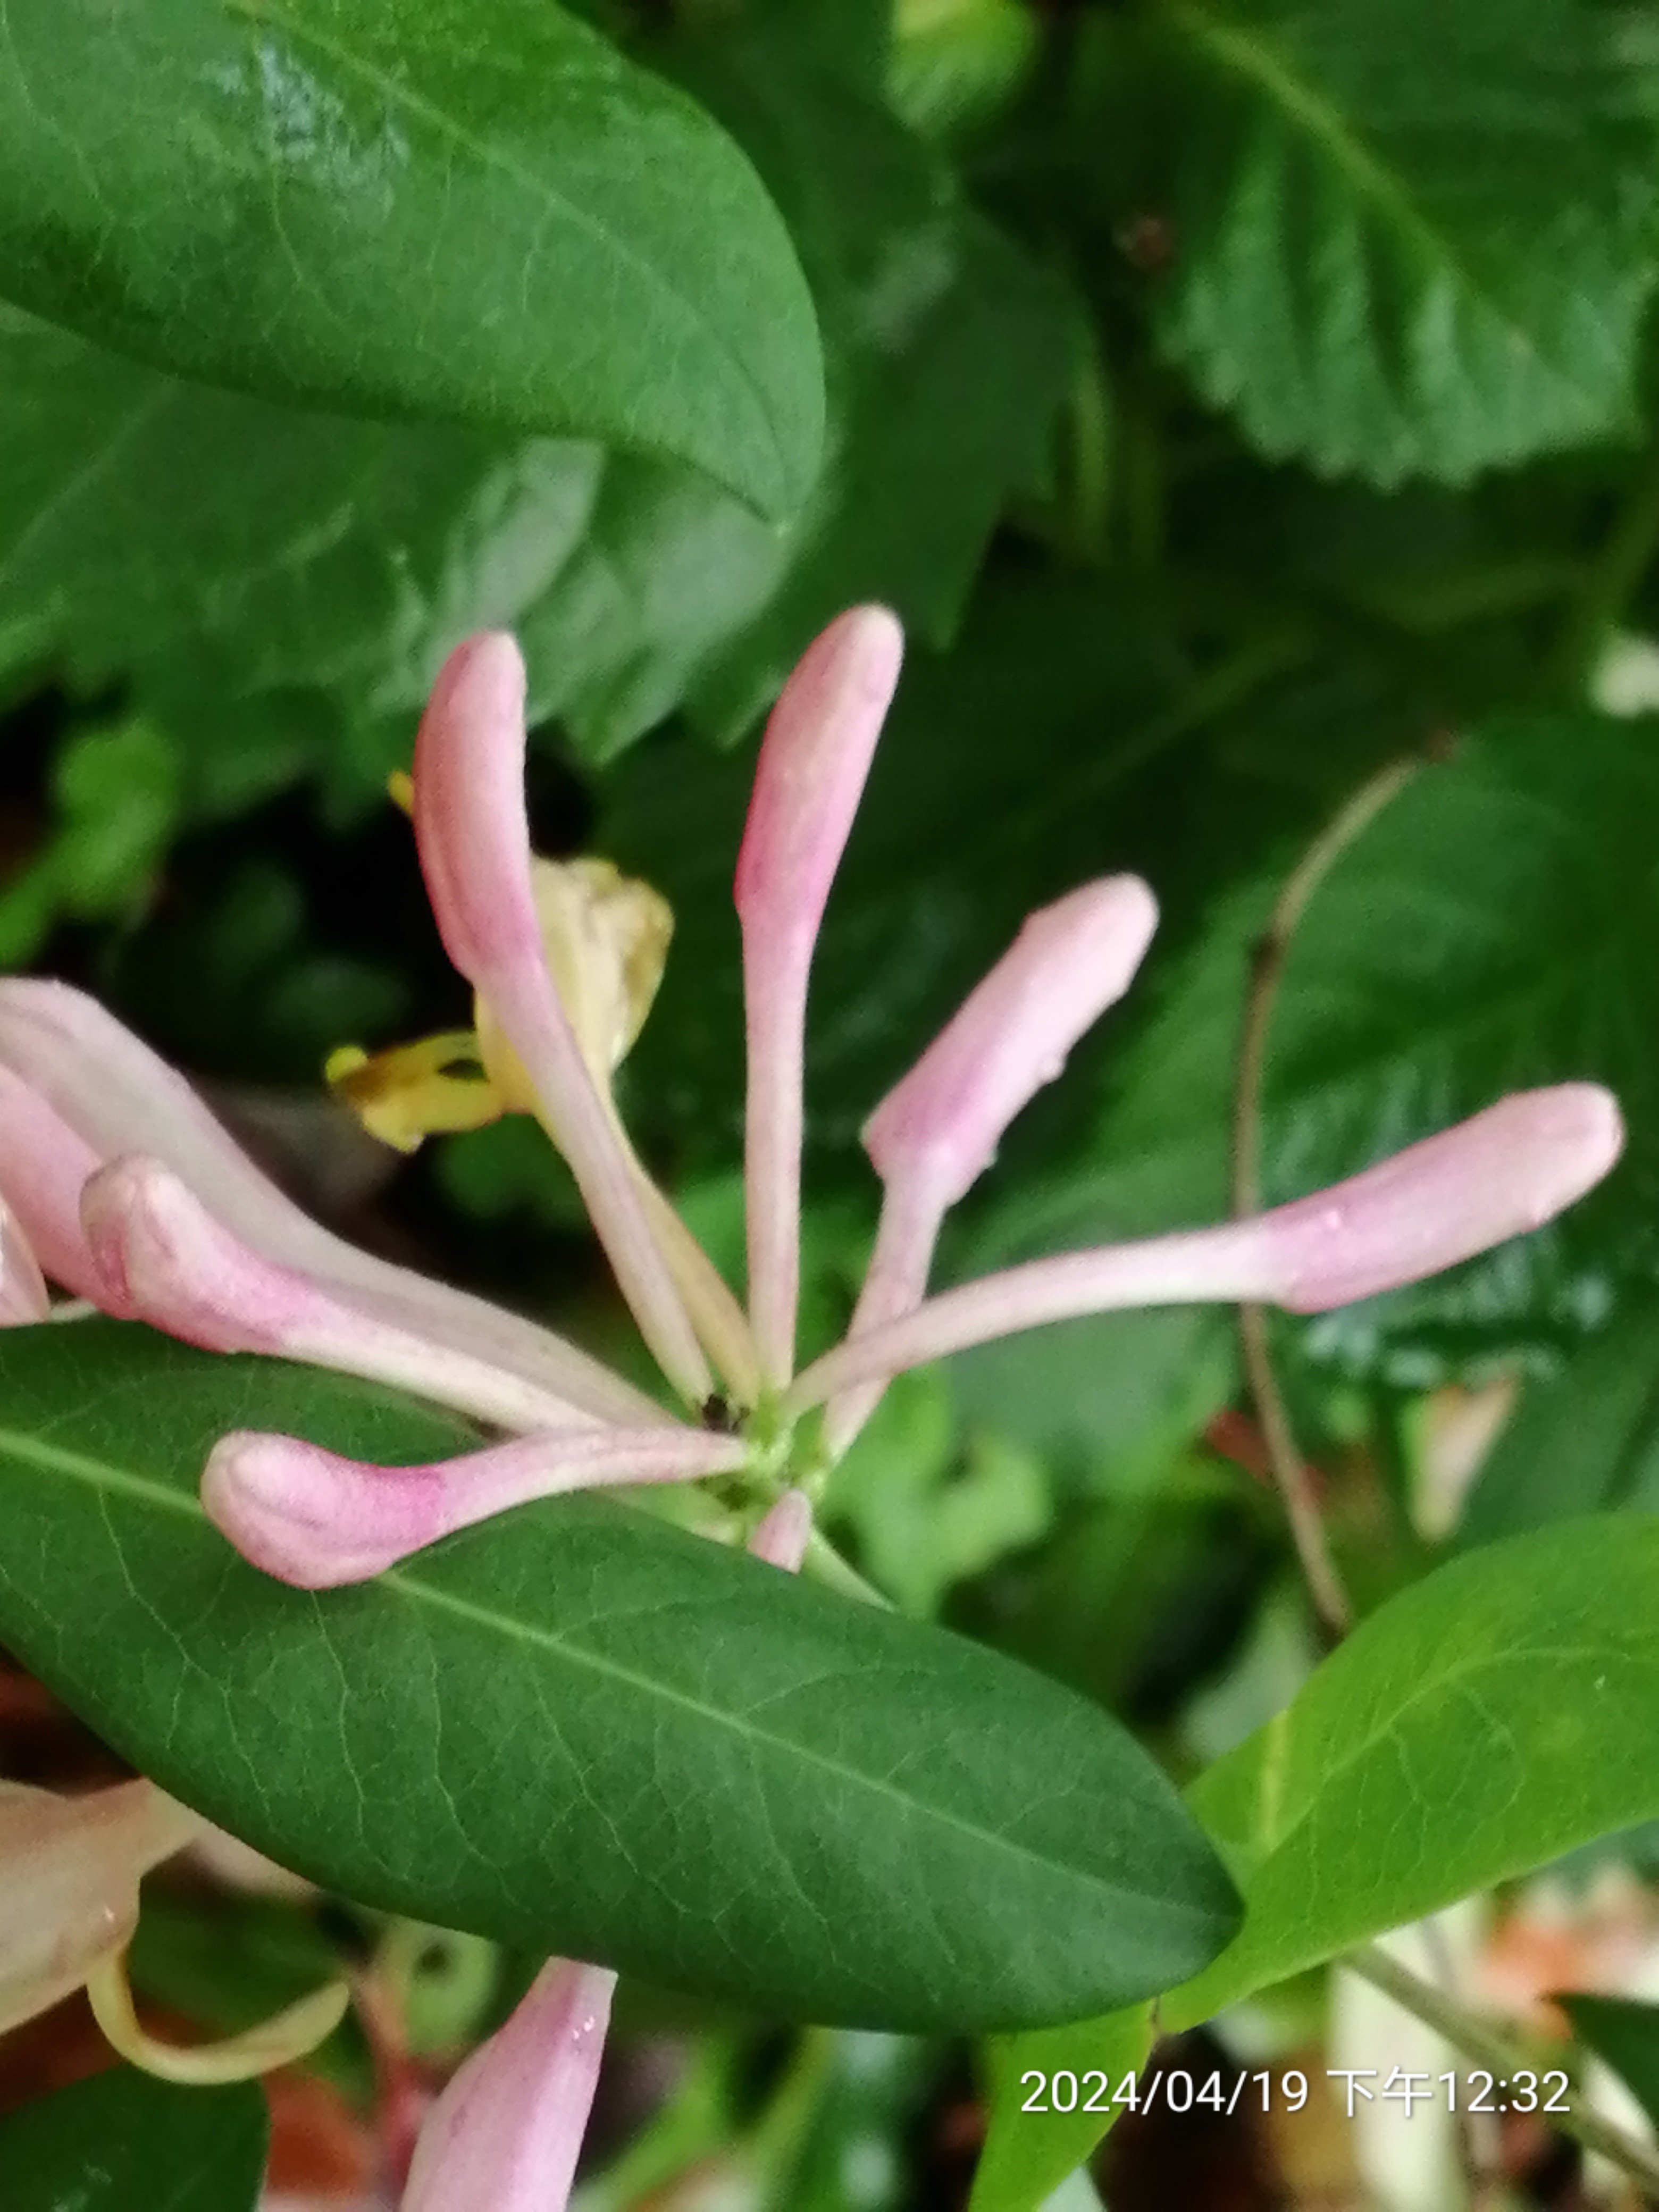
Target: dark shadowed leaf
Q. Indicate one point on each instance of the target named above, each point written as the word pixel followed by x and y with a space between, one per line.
pixel 126 2142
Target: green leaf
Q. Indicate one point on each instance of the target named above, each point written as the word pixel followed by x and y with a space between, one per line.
pixel 409 207
pixel 144 520
pixel 1406 240
pixel 1585 1439
pixel 1491 1718
pixel 1627 2036
pixel 1490 931
pixel 949 349
pixel 126 2142
pixel 1028 2153
pixel 580 1731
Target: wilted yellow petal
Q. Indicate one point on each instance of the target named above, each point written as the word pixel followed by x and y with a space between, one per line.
pixel 430 1088
pixel 606 938
pixel 69 1870
pixel 278 2042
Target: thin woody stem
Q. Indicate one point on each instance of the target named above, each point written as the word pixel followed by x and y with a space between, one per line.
pixel 1290 1470
pixel 1477 2039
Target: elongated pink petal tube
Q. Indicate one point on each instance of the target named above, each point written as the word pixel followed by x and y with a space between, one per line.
pixel 105 1086
pixel 474 839
pixel 161 1256
pixel 808 782
pixel 23 1296
pixel 782 1537
pixel 1498 1175
pixel 43 1167
pixel 507 2132
pixel 313 1519
pixel 937 1130
pixel 940 1125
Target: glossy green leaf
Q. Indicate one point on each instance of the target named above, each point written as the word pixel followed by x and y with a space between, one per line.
pixel 125 2143
pixel 1627 2035
pixel 1407 239
pixel 1031 2144
pixel 581 1730
pixel 409 207
pixel 1489 1718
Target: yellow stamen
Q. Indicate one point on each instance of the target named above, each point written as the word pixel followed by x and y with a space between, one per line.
pixel 434 1086
pixel 400 790
pixel 277 2042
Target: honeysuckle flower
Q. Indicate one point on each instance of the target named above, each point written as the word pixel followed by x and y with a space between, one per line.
pixel 132 1194
pixel 69 1870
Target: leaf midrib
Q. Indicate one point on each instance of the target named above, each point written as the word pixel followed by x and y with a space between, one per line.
pixel 101 1476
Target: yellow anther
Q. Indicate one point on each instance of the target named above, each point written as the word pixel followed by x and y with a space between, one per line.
pixel 433 1087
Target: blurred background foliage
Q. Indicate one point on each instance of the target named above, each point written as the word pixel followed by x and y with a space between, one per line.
pixel 1231 396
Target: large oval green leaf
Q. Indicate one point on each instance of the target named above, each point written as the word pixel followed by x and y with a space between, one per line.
pixel 1495 1715
pixel 468 208
pixel 583 1730
pixel 126 2142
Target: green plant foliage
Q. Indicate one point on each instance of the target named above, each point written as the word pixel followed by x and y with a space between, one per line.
pixel 1407 239
pixel 1627 2035
pixel 437 209
pixel 1489 1718
pixel 1030 2146
pixel 580 1730
pixel 126 2142
pixel 1581 1440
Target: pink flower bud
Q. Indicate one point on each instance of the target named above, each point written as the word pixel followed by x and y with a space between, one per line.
pixel 808 780
pixel 44 1166
pixel 782 1537
pixel 940 1126
pixel 109 1092
pixel 23 1296
pixel 159 1254
pixel 507 2132
pixel 1498 1175
pixel 474 840
pixel 938 1129
pixel 313 1519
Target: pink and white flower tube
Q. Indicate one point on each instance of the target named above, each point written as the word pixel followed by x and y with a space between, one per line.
pixel 936 1133
pixel 808 782
pixel 1498 1175
pixel 507 2132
